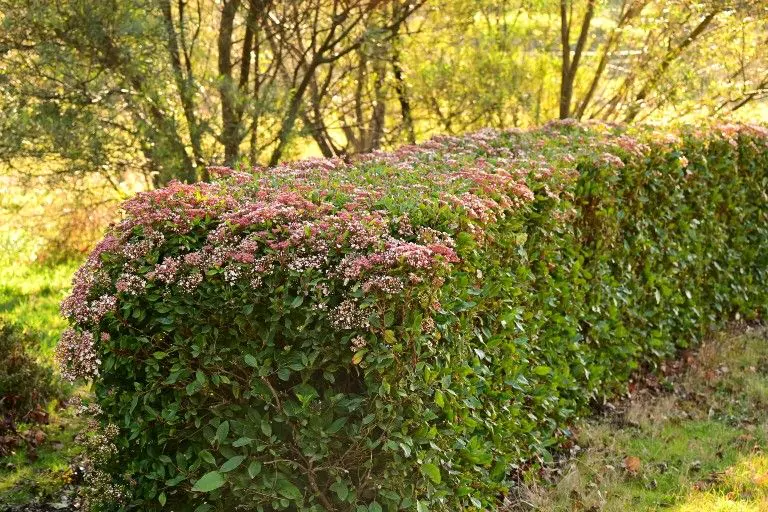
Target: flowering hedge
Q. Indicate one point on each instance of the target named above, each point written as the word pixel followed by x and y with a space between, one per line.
pixel 399 332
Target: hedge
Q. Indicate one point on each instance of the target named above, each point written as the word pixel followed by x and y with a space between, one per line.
pixel 402 331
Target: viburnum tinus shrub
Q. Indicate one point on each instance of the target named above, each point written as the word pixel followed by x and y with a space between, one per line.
pixel 398 333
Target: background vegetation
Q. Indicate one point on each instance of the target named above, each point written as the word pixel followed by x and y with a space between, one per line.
pixel 164 88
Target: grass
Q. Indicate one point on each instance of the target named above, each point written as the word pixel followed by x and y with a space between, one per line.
pixel 30 294
pixel 692 442
pixel 46 477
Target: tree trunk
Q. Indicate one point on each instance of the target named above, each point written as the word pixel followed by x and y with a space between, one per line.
pixel 184 85
pixel 570 64
pixel 401 89
pixel 230 133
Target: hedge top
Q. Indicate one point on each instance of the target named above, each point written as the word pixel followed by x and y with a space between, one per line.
pixel 301 207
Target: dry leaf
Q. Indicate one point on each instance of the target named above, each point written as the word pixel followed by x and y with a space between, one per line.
pixel 632 464
pixel 761 480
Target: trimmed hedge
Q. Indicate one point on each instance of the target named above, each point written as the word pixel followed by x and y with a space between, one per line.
pixel 399 332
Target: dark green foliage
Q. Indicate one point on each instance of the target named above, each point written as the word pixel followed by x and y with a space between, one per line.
pixel 26 386
pixel 240 396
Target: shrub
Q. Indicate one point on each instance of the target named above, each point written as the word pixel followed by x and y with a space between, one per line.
pixel 398 332
pixel 26 386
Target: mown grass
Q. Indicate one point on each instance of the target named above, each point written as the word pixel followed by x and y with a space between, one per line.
pixel 694 441
pixel 30 295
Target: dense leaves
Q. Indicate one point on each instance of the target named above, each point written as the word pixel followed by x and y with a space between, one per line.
pixel 397 333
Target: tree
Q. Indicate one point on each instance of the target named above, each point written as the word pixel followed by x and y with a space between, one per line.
pixel 168 87
pixel 135 81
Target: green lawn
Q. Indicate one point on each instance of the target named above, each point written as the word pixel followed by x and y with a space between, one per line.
pixel 30 295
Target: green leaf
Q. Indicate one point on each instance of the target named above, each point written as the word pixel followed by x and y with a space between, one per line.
pixel 336 425
pixel 341 489
pixel 209 482
pixel 305 392
pixel 162 499
pixel 251 361
pixel 542 370
pixel 439 398
pixel 243 441
pixel 287 489
pixel 297 301
pixel 207 456
pixel 222 431
pixel 421 507
pixel 232 463
pixel 431 471
pixel 159 355
pixel 375 507
pixel 173 482
pixel 254 469
pixel 266 428
pixel 193 387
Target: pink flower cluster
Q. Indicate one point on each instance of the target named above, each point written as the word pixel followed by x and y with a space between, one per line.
pixel 76 355
pixel 327 219
pixel 632 145
pixel 79 308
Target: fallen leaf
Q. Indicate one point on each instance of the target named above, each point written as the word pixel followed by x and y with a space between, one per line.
pixel 632 464
pixel 761 480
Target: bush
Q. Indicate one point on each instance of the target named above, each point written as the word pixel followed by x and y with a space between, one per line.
pixel 26 386
pixel 399 332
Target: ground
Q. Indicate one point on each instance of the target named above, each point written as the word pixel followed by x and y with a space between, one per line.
pixel 692 440
pixel 691 437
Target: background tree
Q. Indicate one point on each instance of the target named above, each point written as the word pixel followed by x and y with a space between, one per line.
pixel 164 88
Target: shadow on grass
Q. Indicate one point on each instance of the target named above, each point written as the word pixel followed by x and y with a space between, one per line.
pixel 43 480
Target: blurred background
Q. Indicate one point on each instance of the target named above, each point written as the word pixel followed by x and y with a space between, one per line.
pixel 101 99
